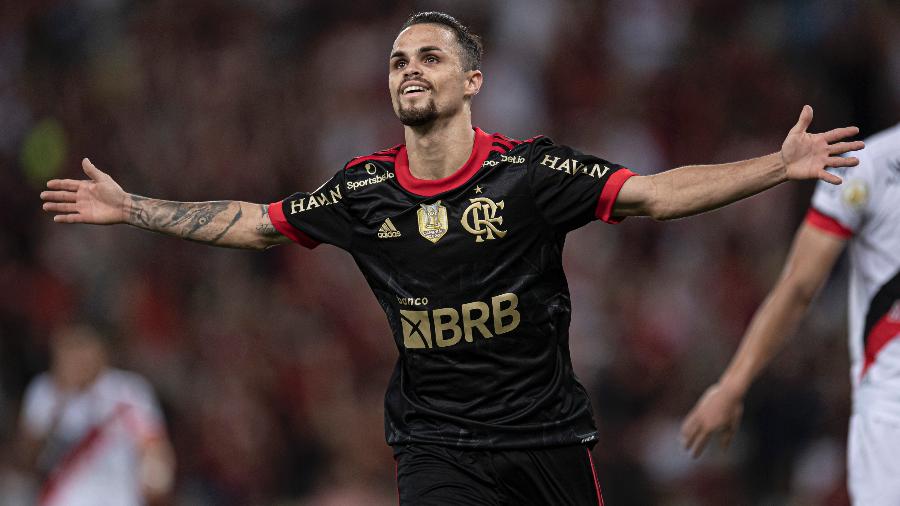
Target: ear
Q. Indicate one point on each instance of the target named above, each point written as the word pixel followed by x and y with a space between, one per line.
pixel 474 79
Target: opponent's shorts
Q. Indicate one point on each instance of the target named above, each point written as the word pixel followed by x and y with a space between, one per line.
pixel 430 475
pixel 873 460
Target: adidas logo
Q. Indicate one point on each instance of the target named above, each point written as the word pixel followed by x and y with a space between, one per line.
pixel 388 230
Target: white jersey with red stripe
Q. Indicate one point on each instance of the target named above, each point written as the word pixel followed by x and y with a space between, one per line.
pixel 93 438
pixel 865 209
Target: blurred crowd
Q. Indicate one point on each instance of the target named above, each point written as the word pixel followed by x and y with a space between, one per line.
pixel 271 366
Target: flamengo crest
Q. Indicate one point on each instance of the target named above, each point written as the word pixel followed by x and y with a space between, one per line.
pixel 433 221
pixel 480 219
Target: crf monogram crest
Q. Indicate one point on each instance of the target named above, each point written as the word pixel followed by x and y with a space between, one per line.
pixel 481 219
pixel 433 221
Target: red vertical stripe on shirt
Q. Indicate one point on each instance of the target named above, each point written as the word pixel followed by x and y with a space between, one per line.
pixel 76 456
pixel 882 333
pixel 594 473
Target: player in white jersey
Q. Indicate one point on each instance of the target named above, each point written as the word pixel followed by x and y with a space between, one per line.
pixel 864 212
pixel 94 433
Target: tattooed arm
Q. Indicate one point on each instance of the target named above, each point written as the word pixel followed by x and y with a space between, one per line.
pixel 101 201
pixel 228 223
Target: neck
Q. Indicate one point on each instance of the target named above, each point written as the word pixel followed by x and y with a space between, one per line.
pixel 440 148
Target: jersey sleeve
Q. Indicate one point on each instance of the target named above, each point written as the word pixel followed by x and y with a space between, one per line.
pixel 144 416
pixel 571 188
pixel 39 407
pixel 316 217
pixel 841 209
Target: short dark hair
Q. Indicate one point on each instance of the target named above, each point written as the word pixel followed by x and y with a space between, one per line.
pixel 470 43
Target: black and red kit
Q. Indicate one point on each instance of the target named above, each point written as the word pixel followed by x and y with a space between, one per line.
pixel 468 269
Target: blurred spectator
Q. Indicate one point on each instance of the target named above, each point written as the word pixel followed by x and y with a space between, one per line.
pixel 93 434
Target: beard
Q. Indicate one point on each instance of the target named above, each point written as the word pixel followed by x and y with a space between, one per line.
pixel 418 116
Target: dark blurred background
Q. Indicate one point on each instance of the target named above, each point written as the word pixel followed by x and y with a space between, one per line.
pixel 271 366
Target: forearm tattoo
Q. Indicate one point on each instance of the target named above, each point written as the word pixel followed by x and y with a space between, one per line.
pixel 207 222
pixel 265 226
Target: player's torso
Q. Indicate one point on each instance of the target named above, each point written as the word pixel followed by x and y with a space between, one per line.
pixel 471 281
pixel 469 253
pixel 875 281
pixel 91 455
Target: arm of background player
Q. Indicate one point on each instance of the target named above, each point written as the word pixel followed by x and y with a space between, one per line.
pixel 101 201
pixel 694 189
pixel 812 256
pixel 157 469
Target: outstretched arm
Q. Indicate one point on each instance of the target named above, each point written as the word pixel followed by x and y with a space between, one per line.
pixel 697 188
pixel 156 469
pixel 812 256
pixel 101 201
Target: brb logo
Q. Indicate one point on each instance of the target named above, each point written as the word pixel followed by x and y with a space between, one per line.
pixel 480 219
pixel 447 326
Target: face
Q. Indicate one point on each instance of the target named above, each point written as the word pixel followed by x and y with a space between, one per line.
pixel 78 357
pixel 426 78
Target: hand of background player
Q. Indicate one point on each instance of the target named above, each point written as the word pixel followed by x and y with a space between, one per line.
pixel 806 155
pixel 719 410
pixel 98 200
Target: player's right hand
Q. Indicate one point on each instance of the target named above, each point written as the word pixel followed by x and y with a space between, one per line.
pixel 718 410
pixel 98 200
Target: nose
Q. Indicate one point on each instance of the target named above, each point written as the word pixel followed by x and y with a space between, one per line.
pixel 411 70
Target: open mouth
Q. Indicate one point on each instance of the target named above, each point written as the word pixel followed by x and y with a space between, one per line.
pixel 413 90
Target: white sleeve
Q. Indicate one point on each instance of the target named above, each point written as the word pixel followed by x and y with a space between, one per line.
pixel 39 407
pixel 144 416
pixel 846 203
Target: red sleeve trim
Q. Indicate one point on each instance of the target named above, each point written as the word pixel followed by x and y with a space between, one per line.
pixel 375 158
pixel 385 155
pixel 276 214
pixel 826 223
pixel 610 193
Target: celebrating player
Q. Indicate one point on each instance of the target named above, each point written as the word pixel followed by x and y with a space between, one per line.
pixel 459 234
pixel 866 213
pixel 94 433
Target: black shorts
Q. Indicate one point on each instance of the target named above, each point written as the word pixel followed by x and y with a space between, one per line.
pixel 430 475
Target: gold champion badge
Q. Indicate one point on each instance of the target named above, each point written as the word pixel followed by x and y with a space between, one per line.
pixel 433 221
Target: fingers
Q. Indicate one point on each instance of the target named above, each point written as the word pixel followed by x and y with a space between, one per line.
pixel 840 133
pixel 806 116
pixel 726 436
pixel 58 196
pixel 68 218
pixel 828 177
pixel 59 207
pixel 92 171
pixel 841 161
pixel 693 436
pixel 699 443
pixel 844 147
pixel 64 184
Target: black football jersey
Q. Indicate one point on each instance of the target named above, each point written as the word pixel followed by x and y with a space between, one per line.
pixel 468 269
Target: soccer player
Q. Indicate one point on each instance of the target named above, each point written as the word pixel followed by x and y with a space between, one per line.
pixel 459 234
pixel 864 212
pixel 93 433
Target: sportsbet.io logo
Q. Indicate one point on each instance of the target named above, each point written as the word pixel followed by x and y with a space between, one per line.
pixel 448 326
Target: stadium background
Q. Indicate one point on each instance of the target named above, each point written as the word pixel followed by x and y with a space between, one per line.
pixel 271 366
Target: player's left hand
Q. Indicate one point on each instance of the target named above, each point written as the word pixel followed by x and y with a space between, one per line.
pixel 719 410
pixel 806 155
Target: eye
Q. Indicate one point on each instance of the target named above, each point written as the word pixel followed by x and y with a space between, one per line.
pixel 399 64
pixel 431 59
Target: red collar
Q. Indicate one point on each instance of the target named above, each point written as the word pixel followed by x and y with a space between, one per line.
pixel 431 187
